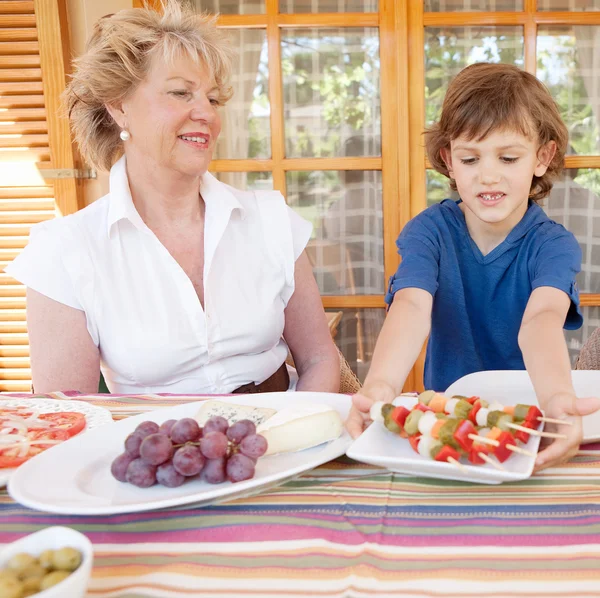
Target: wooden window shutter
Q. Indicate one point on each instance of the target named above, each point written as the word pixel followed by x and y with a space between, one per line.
pixel 34 137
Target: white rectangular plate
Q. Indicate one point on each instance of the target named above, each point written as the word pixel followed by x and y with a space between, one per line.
pixel 379 446
pixel 94 416
pixel 516 386
pixel 75 478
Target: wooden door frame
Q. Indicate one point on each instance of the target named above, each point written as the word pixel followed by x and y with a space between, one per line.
pixel 54 48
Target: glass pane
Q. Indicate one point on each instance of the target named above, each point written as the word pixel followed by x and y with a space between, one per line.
pixel 331 92
pixel 568 5
pixel 356 336
pixel 346 247
pixel 247 181
pixel 569 64
pixel 230 7
pixel 448 50
pixel 577 338
pixel 315 6
pixel 472 5
pixel 438 188
pixel 246 128
pixel 574 202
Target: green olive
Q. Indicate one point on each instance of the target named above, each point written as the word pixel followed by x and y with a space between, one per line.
pixel 446 432
pixel 67 558
pixel 35 571
pixel 426 396
pixel 53 578
pixel 391 425
pixel 21 561
pixel 412 422
pixel 521 412
pixel 462 409
pixel 493 416
pixel 47 559
pixel 32 584
pixel 10 588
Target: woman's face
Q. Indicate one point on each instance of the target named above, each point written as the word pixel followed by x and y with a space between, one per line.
pixel 173 118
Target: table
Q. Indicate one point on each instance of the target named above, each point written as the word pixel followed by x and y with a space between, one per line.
pixel 348 530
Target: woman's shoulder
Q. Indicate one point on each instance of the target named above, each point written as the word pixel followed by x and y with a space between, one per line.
pixel 77 227
pixel 253 199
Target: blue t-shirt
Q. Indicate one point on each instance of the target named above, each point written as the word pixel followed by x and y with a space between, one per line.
pixel 479 300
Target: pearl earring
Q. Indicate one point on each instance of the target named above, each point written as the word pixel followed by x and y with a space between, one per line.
pixel 124 135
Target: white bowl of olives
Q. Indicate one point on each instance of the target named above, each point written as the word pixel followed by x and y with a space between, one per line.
pixel 55 562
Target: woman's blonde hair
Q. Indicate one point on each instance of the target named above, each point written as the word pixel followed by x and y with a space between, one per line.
pixel 484 98
pixel 118 57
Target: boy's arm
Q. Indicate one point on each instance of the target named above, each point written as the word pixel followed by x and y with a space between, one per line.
pixel 399 343
pixel 546 358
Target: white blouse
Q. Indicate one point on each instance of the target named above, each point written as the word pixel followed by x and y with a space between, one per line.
pixel 141 308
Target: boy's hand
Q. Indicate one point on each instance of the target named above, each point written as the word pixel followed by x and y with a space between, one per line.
pixel 359 418
pixel 569 408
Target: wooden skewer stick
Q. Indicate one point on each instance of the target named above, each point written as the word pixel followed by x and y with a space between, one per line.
pixel 457 464
pixel 492 442
pixel 551 420
pixel 536 432
pixel 491 461
pixel 484 440
pixel 518 449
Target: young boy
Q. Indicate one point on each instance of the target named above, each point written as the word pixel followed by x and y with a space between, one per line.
pixel 490 278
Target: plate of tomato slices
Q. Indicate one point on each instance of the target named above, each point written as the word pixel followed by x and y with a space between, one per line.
pixel 31 426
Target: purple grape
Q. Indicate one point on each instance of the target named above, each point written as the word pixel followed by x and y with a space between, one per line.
pixel 254 446
pixel 238 431
pixel 188 460
pixel 146 428
pixel 239 468
pixel 141 474
pixel 214 471
pixel 216 424
pixel 156 449
pixel 165 427
pixel 214 445
pixel 168 476
pixel 119 467
pixel 132 444
pixel 185 430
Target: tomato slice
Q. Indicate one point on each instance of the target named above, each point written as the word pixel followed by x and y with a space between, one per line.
pixel 69 421
pixel 11 457
pixel 62 426
pixel 19 412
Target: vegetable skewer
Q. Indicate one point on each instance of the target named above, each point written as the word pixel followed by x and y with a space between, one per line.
pixel 448 426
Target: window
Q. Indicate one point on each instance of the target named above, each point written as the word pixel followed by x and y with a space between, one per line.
pixel 330 108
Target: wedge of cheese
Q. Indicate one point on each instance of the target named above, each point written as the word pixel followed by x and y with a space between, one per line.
pixel 299 427
pixel 233 413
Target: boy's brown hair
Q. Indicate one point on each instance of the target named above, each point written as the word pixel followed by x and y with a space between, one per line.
pixel 486 97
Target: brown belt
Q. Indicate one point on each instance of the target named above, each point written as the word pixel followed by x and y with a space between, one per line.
pixel 278 382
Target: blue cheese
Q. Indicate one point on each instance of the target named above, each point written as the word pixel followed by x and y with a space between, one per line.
pixel 233 413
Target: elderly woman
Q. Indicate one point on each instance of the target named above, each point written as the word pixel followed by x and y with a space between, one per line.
pixel 173 282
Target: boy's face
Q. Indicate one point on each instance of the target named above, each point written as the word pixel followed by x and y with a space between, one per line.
pixel 493 177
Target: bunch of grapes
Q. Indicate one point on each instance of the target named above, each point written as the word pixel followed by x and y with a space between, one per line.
pixel 180 449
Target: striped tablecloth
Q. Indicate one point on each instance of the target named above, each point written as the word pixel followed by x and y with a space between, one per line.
pixel 349 530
